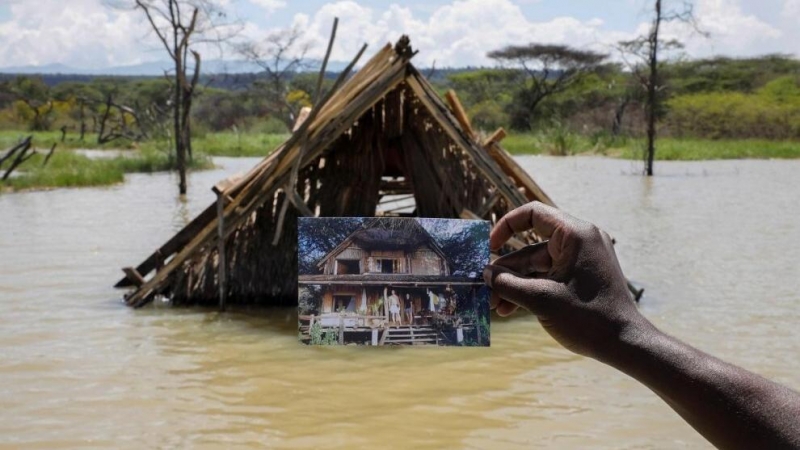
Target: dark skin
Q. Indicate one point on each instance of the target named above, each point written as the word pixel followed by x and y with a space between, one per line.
pixel 575 287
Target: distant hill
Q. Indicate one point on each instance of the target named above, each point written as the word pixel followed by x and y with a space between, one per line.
pixel 151 69
pixel 215 73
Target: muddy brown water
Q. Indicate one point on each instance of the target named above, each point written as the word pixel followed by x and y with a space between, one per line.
pixel 716 244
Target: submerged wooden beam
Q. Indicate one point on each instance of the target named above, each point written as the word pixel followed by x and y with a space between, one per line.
pixel 221 263
pixel 133 276
pixel 174 244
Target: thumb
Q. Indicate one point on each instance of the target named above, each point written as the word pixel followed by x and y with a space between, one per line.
pixel 537 295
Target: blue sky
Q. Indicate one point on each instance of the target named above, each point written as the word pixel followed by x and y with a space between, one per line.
pixel 88 34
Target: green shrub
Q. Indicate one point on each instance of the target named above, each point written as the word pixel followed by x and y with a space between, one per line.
pixel 772 113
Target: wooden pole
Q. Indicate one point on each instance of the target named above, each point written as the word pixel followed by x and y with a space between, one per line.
pixel 458 111
pixel 324 67
pixel 222 275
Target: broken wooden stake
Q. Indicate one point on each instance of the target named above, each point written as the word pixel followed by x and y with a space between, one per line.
pixel 134 276
pixel 22 155
pixel 221 274
pixel 49 154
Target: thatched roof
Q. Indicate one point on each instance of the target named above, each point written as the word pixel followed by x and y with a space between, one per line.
pixel 384 131
pixel 398 234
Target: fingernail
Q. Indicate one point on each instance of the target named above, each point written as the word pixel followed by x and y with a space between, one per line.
pixel 487 275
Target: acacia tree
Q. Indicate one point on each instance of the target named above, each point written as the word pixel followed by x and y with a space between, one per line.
pixel 280 56
pixel 181 25
pixel 646 51
pixel 545 70
pixel 35 95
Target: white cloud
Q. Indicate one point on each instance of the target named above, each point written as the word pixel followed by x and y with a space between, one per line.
pixel 270 5
pixel 791 9
pixel 455 34
pixel 87 34
pixel 731 31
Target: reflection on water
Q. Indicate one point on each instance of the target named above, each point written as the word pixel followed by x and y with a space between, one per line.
pixel 716 245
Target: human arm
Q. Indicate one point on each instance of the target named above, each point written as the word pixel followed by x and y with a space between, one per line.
pixel 574 285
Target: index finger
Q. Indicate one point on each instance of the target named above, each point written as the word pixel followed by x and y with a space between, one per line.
pixel 532 216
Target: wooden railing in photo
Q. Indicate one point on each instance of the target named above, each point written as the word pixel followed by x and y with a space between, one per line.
pixel 244 243
pixel 306 323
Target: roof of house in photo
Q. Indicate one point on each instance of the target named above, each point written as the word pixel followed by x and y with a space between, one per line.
pixel 399 233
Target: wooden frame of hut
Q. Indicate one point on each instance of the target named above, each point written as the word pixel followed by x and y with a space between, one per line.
pixel 382 131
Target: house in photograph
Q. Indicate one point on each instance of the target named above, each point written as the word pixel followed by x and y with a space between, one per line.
pixel 389 282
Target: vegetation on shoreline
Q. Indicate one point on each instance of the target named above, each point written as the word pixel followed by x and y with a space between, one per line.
pixel 714 108
pixel 68 168
pixel 669 149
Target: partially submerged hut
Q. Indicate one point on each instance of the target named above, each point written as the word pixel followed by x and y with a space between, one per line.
pixel 381 133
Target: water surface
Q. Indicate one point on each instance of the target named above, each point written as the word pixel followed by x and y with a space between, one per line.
pixel 716 245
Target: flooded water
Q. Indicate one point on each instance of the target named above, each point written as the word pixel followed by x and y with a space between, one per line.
pixel 716 244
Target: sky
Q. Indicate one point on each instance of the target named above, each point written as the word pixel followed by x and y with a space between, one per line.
pixel 454 33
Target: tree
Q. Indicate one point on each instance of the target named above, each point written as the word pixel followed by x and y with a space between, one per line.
pixel 180 25
pixel 281 56
pixel 36 104
pixel 546 70
pixel 316 237
pixel 82 96
pixel 647 49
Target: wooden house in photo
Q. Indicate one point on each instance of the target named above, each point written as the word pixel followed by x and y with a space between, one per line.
pixel 380 259
pixel 376 135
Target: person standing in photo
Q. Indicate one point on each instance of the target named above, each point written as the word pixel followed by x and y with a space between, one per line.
pixel 409 310
pixel 394 306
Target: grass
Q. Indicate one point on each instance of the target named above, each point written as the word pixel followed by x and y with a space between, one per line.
pixel 671 149
pixel 212 144
pixel 238 144
pixel 45 139
pixel 549 142
pixel 67 168
pixel 667 149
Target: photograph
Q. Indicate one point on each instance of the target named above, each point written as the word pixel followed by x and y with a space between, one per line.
pixel 392 281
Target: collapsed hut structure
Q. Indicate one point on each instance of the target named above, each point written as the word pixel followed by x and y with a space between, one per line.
pixel 381 133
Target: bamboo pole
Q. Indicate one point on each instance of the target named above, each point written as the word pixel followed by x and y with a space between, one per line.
pixel 322 69
pixel 221 263
pixel 458 111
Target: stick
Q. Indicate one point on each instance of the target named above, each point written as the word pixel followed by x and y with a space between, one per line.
pixel 49 154
pixel 281 218
pixel 10 153
pixel 221 275
pixel 292 187
pixel 325 60
pixel 20 158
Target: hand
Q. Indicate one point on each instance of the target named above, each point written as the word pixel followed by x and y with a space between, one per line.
pixel 572 283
